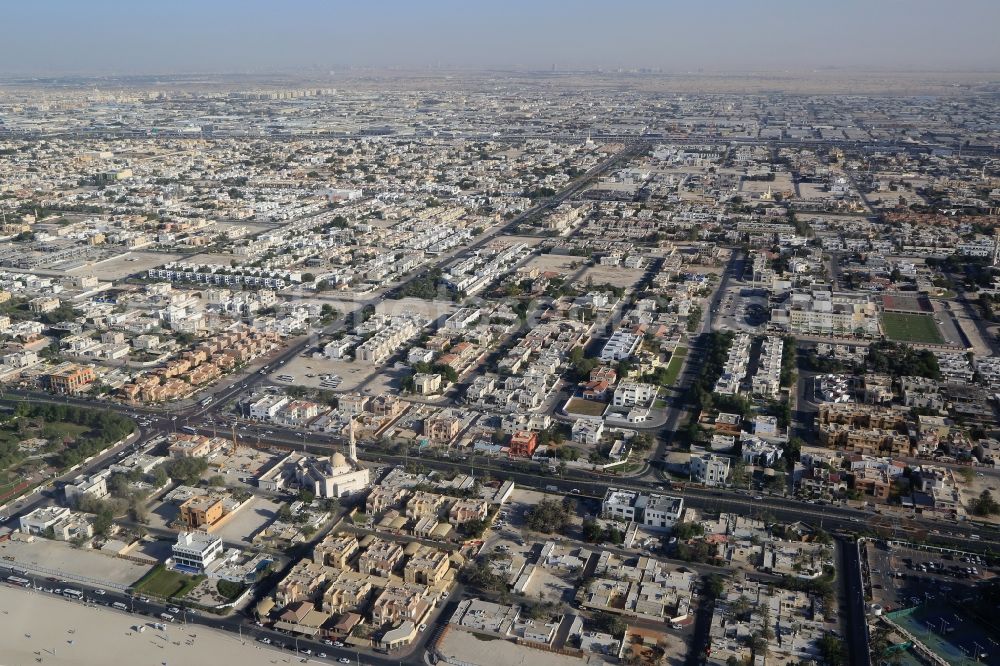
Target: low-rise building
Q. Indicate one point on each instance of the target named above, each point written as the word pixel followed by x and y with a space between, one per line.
pixel 201 512
pixel 57 522
pixel 399 602
pixel 380 558
pixel 629 394
pixel 196 550
pixel 662 511
pixel 427 566
pixel 710 469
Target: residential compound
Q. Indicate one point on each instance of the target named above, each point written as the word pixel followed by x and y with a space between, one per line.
pixel 396 587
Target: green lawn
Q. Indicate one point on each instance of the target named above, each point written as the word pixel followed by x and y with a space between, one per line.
pixel 904 327
pixel 675 365
pixel 586 407
pixel 165 583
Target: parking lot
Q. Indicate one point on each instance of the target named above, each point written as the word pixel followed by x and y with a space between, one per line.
pixel 742 308
pixel 907 577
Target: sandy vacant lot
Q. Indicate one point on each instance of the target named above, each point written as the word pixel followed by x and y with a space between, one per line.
pixel 468 648
pixel 560 263
pixel 430 310
pixel 617 276
pixel 61 560
pixel 249 520
pixel 124 265
pixel 782 183
pixel 40 628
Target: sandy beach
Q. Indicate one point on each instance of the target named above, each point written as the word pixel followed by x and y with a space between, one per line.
pixel 39 628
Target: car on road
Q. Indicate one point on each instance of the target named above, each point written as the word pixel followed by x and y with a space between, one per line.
pixel 100 592
pixel 344 660
pixel 338 644
pixel 422 627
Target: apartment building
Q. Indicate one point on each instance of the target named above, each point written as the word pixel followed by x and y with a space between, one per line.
pixel 70 378
pixel 380 558
pixel 710 469
pixel 303 582
pixel 65 524
pixel 426 566
pixel 335 550
pixel 464 510
pixel 424 504
pixel 735 368
pixel 662 511
pixel 830 313
pixel 626 505
pixel 630 394
pixel 267 407
pixel 523 444
pixel 382 498
pixel 95 486
pixel 346 591
pixel 195 551
pixel 399 602
pixel 767 380
pixel 620 346
pixel 442 427
pixel 201 512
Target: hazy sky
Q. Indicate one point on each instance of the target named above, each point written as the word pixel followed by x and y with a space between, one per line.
pixel 162 36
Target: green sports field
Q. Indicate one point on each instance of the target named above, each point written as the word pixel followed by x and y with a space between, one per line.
pixel 904 327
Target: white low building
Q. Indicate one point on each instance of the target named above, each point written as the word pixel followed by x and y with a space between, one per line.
pixel 629 394
pixel 196 550
pixel 710 469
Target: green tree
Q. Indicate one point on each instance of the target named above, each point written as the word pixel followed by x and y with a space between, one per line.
pixel 714 586
pixel 832 650
pixel 985 505
pixel 688 530
pixel 159 476
pixel 548 516
pixel 187 470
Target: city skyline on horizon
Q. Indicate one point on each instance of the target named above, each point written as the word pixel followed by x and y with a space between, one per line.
pixel 255 37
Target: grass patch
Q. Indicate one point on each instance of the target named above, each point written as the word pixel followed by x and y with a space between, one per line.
pixel 165 583
pixel 586 407
pixel 675 365
pixel 230 590
pixel 906 327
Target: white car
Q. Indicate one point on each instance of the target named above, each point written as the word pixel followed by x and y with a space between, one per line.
pixel 100 592
pixel 344 660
